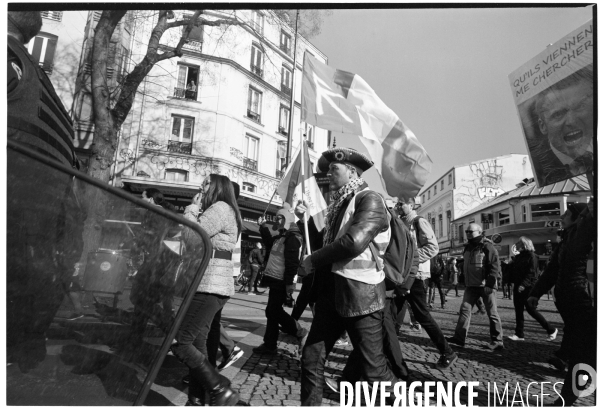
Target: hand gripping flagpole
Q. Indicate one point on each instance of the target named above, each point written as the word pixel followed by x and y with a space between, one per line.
pixel 304 151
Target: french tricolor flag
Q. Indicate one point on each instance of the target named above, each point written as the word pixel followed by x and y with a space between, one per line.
pixel 343 102
pixel 299 183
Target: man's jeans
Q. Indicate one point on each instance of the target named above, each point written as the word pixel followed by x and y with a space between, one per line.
pixel 366 335
pixel 417 300
pixel 277 316
pixel 472 293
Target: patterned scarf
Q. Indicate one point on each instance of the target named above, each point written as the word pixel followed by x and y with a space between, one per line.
pixel 337 200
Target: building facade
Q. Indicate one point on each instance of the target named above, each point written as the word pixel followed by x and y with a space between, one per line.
pixel 223 107
pixel 57 48
pixel 465 187
pixel 528 211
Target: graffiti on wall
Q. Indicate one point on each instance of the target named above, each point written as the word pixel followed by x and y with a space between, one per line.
pixel 483 183
pixel 236 153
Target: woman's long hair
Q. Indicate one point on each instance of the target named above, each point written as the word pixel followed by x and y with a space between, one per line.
pixel 527 243
pixel 221 190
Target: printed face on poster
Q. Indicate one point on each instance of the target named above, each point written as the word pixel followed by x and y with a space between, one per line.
pixel 554 95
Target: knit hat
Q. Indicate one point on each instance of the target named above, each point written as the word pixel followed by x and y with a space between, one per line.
pixel 576 209
pixel 287 215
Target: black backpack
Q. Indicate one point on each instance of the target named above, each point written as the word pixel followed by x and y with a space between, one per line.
pixel 400 257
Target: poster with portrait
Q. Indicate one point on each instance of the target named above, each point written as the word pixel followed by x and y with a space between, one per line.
pixel 554 95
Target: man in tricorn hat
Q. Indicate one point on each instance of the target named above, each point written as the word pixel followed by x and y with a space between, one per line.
pixel 351 292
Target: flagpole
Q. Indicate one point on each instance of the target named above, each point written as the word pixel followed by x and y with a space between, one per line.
pixel 292 99
pixel 304 150
pixel 272 196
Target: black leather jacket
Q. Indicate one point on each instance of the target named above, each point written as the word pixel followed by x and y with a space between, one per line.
pixel 352 298
pixel 567 266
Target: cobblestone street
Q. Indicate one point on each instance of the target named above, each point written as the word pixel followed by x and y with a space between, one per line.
pixel 275 380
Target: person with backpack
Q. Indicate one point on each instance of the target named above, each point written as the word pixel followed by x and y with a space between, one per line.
pixel 284 251
pixel 524 269
pixel 435 281
pixel 427 248
pixel 351 293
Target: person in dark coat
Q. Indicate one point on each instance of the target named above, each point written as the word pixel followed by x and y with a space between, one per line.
pixel 524 270
pixel 566 271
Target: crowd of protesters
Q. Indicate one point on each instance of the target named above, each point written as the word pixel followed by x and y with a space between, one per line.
pixel 344 281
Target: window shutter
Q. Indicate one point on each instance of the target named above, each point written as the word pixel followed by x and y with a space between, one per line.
pixel 181 77
pixel 258 58
pixel 197 33
pixel 36 53
pixel 252 56
pixel 49 56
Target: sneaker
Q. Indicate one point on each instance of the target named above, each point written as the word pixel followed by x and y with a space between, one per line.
pixel 446 361
pixel 231 359
pixel 455 341
pixel 74 316
pixel 515 338
pixel 265 350
pixel 341 342
pixel 416 327
pixel 251 294
pixel 496 346
pixel 333 384
pixel 552 336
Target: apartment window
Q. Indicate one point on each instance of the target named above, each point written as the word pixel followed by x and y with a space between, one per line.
pixel 250 151
pixel 176 175
pixel 122 63
pixel 450 180
pixel 448 219
pixel 256 60
pixel 503 217
pixel 285 42
pixel 280 161
pixel 52 15
pixel 286 80
pixel 429 195
pixel 42 49
pixel 248 187
pixel 258 21
pixel 441 185
pixel 486 225
pixel 545 211
pixel 181 135
pixel 461 233
pixel 435 190
pixel 284 117
pixel 433 224
pixel 197 33
pixel 187 82
pixel 254 104
pixel 523 213
pixel 440 219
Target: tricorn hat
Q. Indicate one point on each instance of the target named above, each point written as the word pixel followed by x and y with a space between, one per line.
pixel 344 155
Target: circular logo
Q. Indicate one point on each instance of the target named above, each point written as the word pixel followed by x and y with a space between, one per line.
pixel 496 238
pixel 104 266
pixel 583 380
pixel 339 156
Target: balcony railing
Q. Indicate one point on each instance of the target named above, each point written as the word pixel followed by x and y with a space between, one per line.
pixel 181 93
pixel 193 45
pixel 253 116
pixel 179 147
pixel 279 174
pixel 286 89
pixel 250 164
pixel 256 70
pixel 283 131
pixel 53 15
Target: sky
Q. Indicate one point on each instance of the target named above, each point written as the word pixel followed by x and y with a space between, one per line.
pixel 444 72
